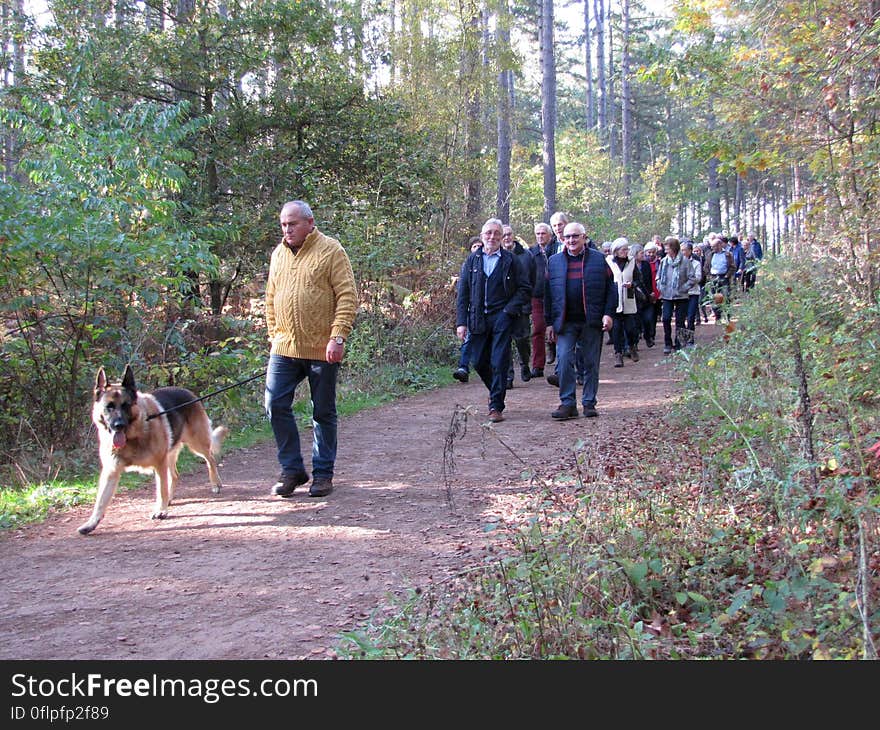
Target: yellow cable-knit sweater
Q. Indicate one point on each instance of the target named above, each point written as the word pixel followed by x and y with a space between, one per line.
pixel 311 296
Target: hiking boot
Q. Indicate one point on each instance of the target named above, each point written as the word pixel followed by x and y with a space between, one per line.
pixel 618 360
pixel 461 375
pixel 590 412
pixel 553 379
pixel 287 483
pixel 537 372
pixel 321 487
pixel 495 416
pixel 563 413
pixel 634 354
pixel 525 373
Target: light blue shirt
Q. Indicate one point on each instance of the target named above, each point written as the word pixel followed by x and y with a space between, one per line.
pixel 490 261
pixel 718 264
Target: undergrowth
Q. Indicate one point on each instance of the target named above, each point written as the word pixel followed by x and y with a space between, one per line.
pixel 752 532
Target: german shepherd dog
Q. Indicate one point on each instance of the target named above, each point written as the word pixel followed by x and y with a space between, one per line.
pixel 132 437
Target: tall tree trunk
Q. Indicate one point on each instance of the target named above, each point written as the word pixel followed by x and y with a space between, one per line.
pixel 714 195
pixel 473 120
pixel 588 68
pixel 599 14
pixel 12 52
pixel 737 205
pixel 625 101
pixel 505 93
pixel 548 107
pixel 609 111
pixel 725 195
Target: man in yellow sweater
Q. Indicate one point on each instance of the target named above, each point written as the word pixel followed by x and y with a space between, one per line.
pixel 311 302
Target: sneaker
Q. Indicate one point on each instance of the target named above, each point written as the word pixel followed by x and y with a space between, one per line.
pixel 287 483
pixel 590 412
pixel 510 384
pixel 649 341
pixel 525 373
pixel 538 372
pixel 634 354
pixel 553 379
pixel 618 360
pixel 563 413
pixel 579 380
pixel 495 416
pixel 321 487
pixel 461 375
pixel 667 350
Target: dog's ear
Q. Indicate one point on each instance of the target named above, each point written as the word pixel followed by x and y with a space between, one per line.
pixel 100 383
pixel 128 382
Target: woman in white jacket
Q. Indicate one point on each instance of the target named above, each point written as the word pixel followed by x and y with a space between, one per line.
pixel 625 332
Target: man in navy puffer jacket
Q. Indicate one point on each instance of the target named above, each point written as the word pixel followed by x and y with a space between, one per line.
pixel 580 298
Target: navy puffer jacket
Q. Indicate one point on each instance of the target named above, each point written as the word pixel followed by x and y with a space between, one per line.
pixel 599 289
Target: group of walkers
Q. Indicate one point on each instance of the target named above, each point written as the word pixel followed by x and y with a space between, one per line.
pixel 551 303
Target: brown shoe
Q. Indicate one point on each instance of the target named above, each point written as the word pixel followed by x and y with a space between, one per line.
pixel 321 486
pixel 495 416
pixel 563 413
pixel 287 483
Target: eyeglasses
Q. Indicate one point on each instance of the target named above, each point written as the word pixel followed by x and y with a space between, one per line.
pixel 573 235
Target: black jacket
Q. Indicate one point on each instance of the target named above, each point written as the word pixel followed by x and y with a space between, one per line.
pixel 471 290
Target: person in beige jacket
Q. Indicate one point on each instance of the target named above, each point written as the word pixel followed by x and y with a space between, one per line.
pixel 311 303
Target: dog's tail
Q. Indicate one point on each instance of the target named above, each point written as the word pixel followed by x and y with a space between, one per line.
pixel 217 436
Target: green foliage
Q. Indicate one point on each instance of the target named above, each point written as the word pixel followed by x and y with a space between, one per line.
pixel 748 395
pixel 589 187
pixel 732 545
pixel 92 248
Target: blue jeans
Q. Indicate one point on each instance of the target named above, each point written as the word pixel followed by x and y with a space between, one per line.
pixel 578 335
pixel 464 352
pixel 490 354
pixel 693 311
pixel 282 377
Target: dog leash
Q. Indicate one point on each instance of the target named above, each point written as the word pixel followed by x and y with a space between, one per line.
pixel 196 400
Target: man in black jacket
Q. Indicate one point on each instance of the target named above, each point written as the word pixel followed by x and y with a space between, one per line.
pixel 539 254
pixel 492 292
pixel 522 328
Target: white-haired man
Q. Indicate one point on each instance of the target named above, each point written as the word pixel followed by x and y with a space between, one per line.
pixel 492 291
pixel 580 299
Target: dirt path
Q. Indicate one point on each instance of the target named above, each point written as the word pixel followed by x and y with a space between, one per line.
pixel 248 576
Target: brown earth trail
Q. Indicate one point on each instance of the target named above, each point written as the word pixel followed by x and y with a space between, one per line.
pixel 245 575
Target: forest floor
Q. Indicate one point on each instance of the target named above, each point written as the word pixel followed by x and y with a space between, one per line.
pixel 245 575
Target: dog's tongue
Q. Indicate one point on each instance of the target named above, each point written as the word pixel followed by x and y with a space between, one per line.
pixel 118 439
